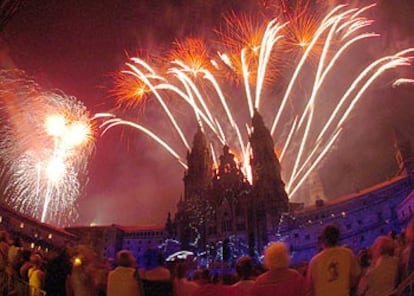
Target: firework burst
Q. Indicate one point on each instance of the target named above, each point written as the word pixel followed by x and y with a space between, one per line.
pixel 305 129
pixel 45 143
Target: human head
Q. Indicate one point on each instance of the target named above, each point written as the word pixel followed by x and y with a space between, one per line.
pixel 202 276
pixel 153 258
pixel 181 270
pixel 125 258
pixel 4 236
pixel 383 246
pixel 244 267
pixel 36 260
pixel 409 233
pixel 330 235
pixel 276 256
pixel 17 242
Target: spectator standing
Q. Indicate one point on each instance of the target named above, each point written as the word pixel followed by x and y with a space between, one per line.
pixel 123 279
pixel 154 267
pixel 25 265
pixel 279 279
pixel 208 288
pixel 36 275
pixel 81 281
pixel 244 269
pixel 4 250
pixel 381 277
pixel 335 270
pixel 406 279
pixel 57 270
pixel 182 286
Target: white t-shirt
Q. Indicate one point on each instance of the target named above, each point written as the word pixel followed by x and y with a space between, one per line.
pixel 121 281
pixel 331 272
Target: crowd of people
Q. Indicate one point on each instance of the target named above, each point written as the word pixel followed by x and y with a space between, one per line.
pixel 386 268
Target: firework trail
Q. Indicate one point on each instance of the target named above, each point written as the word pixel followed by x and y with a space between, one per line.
pixel 295 108
pixel 45 143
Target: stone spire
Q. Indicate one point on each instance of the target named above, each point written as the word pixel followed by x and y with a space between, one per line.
pixel 270 198
pixel 404 153
pixel 199 174
pixel 267 179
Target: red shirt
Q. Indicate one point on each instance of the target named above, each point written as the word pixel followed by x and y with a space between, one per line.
pixel 282 281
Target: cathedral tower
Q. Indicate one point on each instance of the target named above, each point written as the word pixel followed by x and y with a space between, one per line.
pixel 404 153
pixel 270 196
pixel 198 177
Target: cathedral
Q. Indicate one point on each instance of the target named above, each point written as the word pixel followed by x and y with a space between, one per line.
pixel 219 204
pixel 223 215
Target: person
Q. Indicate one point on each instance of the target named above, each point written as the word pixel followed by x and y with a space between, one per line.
pixel 244 270
pixel 207 286
pixel 279 279
pixel 81 280
pixel 156 278
pixel 36 275
pixel 154 267
pixel 25 265
pixel 4 250
pixel 381 277
pixel 58 269
pixel 123 279
pixel 182 286
pixel 406 277
pixel 333 271
pixel 13 253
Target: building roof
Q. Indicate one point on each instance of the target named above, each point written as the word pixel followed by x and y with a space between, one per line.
pixel 136 228
pixel 357 195
pixel 25 218
pixel 124 228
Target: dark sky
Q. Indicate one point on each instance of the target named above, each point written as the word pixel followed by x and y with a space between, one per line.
pixel 76 46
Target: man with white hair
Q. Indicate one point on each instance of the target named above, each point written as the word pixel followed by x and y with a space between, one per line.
pixel 279 279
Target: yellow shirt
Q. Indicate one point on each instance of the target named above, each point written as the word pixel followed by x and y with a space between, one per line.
pixel 331 272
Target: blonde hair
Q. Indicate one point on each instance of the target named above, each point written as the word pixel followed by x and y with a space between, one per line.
pixel 276 255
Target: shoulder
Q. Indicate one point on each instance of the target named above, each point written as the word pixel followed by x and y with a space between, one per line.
pixel 262 277
pixel 294 272
pixel 316 258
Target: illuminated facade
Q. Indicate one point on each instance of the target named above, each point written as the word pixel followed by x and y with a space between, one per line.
pixel 220 208
pixel 220 204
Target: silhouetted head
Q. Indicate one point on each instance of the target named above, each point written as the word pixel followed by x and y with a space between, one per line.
pixel 4 237
pixel 330 235
pixel 125 258
pixel 244 267
pixel 36 260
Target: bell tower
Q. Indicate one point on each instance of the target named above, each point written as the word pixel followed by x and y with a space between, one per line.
pixel 270 197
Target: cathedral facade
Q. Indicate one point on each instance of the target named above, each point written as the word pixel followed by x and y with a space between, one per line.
pixel 220 206
pixel 221 211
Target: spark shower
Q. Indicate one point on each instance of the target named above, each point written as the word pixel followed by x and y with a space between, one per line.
pixel 284 68
pixel 45 143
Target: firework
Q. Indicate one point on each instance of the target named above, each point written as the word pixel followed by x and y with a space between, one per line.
pixel 305 113
pixel 45 143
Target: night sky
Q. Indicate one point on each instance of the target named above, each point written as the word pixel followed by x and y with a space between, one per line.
pixel 76 46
